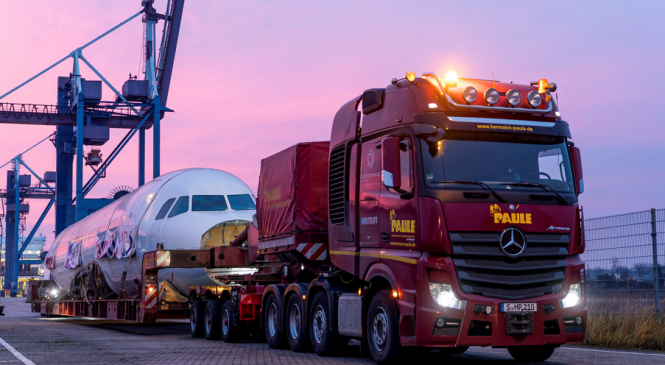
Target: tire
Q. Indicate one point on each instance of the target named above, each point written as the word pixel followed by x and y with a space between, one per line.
pixel 228 325
pixel 272 320
pixel 383 328
pixel 324 341
pixel 212 320
pixel 453 350
pixel 531 353
pixel 295 325
pixel 196 318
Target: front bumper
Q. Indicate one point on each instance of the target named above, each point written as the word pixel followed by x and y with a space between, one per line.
pixel 483 329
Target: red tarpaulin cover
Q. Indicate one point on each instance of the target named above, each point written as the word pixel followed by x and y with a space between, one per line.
pixel 293 191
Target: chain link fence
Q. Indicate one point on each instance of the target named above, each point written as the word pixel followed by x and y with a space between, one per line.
pixel 625 262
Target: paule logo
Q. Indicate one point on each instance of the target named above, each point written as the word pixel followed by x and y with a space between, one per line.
pixel 272 194
pixel 514 218
pixel 402 226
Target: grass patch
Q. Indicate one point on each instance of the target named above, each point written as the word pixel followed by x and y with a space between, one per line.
pixel 638 330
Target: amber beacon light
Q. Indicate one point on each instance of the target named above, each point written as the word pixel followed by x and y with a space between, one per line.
pixel 411 76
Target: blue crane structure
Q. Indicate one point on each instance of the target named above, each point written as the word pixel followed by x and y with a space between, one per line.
pixel 81 118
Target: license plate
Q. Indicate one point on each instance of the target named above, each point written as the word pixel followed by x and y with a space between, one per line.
pixel 518 307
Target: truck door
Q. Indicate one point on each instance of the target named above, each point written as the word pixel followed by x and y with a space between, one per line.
pixel 370 191
pixel 399 209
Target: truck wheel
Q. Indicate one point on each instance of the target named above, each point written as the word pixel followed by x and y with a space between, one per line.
pixel 382 328
pixel 296 329
pixel 531 353
pixel 212 321
pixel 273 311
pixel 453 350
pixel 324 341
pixel 229 327
pixel 196 318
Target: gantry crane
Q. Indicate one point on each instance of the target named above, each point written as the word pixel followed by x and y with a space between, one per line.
pixel 81 118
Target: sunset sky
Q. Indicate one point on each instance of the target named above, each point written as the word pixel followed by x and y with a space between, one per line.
pixel 254 77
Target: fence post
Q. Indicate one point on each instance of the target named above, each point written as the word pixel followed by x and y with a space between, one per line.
pixel 654 243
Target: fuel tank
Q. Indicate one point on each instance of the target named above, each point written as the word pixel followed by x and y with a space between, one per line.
pixel 186 209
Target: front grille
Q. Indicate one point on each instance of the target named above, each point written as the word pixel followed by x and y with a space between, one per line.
pixel 336 193
pixel 487 244
pixel 484 269
pixel 489 236
pixel 511 279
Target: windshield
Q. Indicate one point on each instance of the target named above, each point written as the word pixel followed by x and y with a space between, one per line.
pixel 241 202
pixel 208 203
pixel 498 159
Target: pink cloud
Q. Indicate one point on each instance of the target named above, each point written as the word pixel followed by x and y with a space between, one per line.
pixel 251 79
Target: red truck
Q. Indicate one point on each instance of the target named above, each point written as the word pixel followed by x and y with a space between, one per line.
pixel 443 213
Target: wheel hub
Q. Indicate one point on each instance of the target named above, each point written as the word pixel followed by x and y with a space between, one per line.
pixel 208 321
pixel 380 329
pixel 192 319
pixel 319 325
pixel 272 319
pixel 294 321
pixel 225 322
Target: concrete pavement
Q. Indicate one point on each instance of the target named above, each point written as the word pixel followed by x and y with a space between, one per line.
pixel 40 340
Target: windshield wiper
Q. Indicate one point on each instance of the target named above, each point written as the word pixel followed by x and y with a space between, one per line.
pixel 542 186
pixel 479 183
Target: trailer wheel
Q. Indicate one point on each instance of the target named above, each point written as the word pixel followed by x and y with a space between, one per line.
pixel 296 328
pixel 531 353
pixel 273 314
pixel 229 327
pixel 382 328
pixel 324 341
pixel 213 322
pixel 196 318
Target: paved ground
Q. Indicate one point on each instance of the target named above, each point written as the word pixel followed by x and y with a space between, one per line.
pixel 27 338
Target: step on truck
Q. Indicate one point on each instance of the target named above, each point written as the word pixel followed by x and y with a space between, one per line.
pixel 442 214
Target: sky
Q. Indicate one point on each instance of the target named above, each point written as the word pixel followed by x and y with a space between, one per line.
pixel 254 77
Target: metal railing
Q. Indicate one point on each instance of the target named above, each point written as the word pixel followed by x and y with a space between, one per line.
pixel 625 262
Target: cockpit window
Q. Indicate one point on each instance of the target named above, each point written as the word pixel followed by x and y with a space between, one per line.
pixel 208 203
pixel 165 209
pixel 181 206
pixel 241 202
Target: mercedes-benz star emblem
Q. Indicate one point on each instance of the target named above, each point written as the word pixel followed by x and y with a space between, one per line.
pixel 512 242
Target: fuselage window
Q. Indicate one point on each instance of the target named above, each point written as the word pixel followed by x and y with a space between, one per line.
pixel 181 206
pixel 208 203
pixel 241 202
pixel 165 209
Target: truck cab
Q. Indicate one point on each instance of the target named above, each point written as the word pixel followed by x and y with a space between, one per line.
pixel 459 197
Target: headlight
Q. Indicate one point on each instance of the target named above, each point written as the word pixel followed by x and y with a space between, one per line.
pixel 491 96
pixel 444 296
pixel 574 296
pixel 54 292
pixel 470 94
pixel 534 98
pixel 513 97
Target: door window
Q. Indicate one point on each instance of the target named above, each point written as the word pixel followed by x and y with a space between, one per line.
pixel 406 164
pixel 370 171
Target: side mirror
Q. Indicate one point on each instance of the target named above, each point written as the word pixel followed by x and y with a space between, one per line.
pixel 577 169
pixel 391 173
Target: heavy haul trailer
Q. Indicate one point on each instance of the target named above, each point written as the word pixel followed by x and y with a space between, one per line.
pixel 443 214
